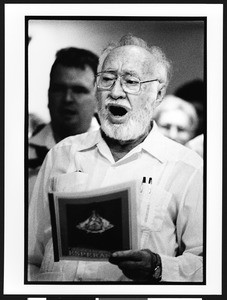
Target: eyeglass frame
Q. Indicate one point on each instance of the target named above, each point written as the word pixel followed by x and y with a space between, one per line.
pixel 120 76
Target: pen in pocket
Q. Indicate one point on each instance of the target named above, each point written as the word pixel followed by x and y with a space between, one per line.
pixel 146 181
pixel 150 183
pixel 142 184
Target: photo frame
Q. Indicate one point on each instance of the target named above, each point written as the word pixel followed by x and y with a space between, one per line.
pixel 15 16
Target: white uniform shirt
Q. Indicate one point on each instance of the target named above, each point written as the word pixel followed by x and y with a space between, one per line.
pixel 174 229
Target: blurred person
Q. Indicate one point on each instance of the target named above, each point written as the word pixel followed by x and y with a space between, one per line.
pixel 131 81
pixel 194 92
pixel 34 123
pixel 71 103
pixel 177 119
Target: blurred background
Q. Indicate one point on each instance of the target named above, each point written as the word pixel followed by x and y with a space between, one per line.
pixel 181 40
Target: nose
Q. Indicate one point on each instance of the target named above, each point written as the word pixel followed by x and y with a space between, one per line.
pixel 68 95
pixel 117 90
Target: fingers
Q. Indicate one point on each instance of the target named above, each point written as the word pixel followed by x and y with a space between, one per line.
pixel 134 270
pixel 128 255
pixel 134 275
pixel 130 265
pixel 131 260
pixel 135 265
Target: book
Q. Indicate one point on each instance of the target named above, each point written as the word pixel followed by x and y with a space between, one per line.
pixel 93 224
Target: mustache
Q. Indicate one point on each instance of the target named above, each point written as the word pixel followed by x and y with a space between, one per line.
pixel 119 102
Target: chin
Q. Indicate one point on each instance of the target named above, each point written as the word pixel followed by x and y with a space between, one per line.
pixel 131 130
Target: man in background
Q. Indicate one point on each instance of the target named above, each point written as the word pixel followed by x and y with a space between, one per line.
pixel 71 102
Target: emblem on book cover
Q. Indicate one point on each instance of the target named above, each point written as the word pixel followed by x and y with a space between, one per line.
pixel 95 224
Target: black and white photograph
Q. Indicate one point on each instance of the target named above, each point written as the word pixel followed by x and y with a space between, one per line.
pixel 141 132
pixel 112 95
pixel 140 136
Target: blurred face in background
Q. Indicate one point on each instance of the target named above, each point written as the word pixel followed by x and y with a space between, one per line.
pixel 71 100
pixel 176 125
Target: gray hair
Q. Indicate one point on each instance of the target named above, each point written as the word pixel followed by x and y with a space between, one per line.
pixel 156 52
pixel 170 103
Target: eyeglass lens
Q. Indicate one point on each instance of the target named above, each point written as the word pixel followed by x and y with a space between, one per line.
pixel 128 82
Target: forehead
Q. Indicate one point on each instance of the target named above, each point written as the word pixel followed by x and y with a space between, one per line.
pixel 175 117
pixel 129 59
pixel 65 73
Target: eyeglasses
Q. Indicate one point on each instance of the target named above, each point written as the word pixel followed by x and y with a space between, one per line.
pixel 130 84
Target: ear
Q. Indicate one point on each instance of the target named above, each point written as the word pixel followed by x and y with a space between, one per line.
pixel 160 95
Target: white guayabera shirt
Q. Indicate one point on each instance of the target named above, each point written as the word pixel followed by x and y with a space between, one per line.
pixel 173 228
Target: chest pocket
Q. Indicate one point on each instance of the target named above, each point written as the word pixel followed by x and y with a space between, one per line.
pixel 153 207
pixel 70 182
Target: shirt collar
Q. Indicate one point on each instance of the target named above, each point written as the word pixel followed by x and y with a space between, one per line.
pixel 154 143
pixel 46 139
pixel 86 140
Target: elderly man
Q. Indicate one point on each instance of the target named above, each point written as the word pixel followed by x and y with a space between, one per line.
pixel 71 102
pixel 131 81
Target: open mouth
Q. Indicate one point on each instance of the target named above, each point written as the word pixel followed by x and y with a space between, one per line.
pixel 117 111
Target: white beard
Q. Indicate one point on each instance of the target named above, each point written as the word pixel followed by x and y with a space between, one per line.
pixel 137 124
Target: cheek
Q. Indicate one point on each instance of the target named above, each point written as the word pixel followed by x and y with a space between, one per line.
pixel 100 98
pixel 164 130
pixel 55 101
pixel 87 103
pixel 54 104
pixel 144 103
pixel 137 102
pixel 186 135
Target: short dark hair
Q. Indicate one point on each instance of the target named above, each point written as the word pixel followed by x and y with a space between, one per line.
pixel 75 57
pixel 194 91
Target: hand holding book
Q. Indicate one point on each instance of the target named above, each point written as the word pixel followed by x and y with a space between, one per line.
pixel 138 265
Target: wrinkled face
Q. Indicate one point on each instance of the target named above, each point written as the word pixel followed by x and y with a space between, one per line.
pixel 71 99
pixel 126 116
pixel 176 125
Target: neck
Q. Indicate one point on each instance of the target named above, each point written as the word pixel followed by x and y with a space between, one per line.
pixel 60 134
pixel 120 148
pixel 57 137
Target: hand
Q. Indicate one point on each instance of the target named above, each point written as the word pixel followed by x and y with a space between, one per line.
pixel 137 265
